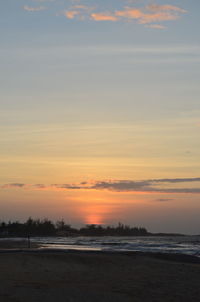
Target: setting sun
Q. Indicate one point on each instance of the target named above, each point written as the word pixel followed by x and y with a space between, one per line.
pixel 93 219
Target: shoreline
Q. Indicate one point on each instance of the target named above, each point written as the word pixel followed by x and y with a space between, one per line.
pixel 174 257
pixel 22 246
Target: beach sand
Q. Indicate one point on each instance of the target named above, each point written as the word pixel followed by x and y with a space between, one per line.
pixel 31 276
pixel 16 244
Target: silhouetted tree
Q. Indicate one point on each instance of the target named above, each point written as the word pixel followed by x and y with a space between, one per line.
pixel 45 227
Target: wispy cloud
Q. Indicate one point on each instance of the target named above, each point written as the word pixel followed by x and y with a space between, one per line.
pixel 71 14
pixel 34 9
pixel 148 14
pixel 79 10
pixel 148 186
pixel 174 180
pixel 103 17
pixel 151 15
pixel 164 199
pixel 158 8
pixel 163 185
pixel 156 26
pixel 13 185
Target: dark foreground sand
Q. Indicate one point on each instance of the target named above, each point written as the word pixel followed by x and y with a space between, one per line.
pixel 96 277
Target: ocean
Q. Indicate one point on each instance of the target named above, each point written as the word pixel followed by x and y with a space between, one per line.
pixel 189 245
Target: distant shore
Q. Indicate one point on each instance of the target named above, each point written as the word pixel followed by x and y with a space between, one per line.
pixel 36 275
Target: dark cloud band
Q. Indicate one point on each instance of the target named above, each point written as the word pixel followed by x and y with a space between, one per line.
pixel 148 186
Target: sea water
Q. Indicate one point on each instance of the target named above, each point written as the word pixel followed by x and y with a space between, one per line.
pixel 171 244
pixel 189 245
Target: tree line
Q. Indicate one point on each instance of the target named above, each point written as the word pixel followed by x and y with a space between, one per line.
pixel 45 227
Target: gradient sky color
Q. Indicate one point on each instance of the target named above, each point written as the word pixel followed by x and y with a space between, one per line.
pixel 100 112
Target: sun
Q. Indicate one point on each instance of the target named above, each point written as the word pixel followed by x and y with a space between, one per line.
pixel 93 219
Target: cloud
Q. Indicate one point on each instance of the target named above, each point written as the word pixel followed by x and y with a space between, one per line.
pixel 13 185
pixel 33 9
pixel 39 186
pixel 71 14
pixel 84 7
pixel 68 186
pixel 180 191
pixel 103 17
pixel 151 13
pixel 79 10
pixel 145 186
pixel 156 26
pixel 148 186
pixel 158 17
pixel 130 13
pixel 164 199
pixel 158 8
pixel 174 180
pixel 122 185
pixel 148 14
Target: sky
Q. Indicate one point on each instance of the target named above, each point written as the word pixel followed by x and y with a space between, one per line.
pixel 100 112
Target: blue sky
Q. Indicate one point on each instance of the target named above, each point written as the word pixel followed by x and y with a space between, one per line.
pixel 44 55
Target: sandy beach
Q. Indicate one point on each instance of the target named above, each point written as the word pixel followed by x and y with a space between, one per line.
pixel 74 276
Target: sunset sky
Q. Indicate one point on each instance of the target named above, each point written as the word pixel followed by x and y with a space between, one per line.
pixel 100 112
